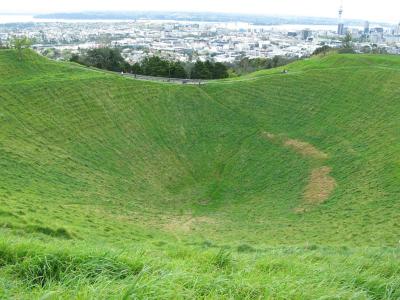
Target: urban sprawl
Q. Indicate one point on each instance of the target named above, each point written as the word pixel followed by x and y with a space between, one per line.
pixel 190 41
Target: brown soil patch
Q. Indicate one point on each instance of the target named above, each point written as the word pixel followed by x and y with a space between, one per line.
pixel 319 187
pixel 305 149
pixel 320 184
pixel 186 223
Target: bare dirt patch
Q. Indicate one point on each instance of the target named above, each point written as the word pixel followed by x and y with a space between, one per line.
pixel 187 223
pixel 305 149
pixel 269 135
pixel 319 187
pixel 320 184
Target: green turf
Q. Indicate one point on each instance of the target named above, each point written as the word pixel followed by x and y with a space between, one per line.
pixel 114 188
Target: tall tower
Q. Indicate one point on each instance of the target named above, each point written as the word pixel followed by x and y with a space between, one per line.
pixel 340 22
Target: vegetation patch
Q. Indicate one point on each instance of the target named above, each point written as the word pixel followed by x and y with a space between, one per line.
pixel 58 233
pixel 45 269
pixel 246 248
pixel 6 214
pixel 223 259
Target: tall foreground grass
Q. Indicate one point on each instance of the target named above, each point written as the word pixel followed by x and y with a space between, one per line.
pixel 34 270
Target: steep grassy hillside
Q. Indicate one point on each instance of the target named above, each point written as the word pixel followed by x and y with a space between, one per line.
pixel 268 186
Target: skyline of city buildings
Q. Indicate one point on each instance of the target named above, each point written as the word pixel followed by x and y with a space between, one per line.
pixel 187 41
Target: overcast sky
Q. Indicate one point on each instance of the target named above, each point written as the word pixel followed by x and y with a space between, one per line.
pixel 385 10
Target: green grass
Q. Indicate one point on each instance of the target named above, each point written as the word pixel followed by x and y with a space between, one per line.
pixel 114 188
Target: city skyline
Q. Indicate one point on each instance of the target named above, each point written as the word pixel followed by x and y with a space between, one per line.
pixel 353 9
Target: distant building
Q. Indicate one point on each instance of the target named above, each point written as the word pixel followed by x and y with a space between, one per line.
pixel 341 30
pixel 306 34
pixel 366 28
pixel 378 30
pixel 355 33
pixel 397 30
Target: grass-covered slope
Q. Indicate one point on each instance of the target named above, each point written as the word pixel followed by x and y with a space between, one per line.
pixel 113 187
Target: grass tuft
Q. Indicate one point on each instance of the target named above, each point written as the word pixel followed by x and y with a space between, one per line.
pixel 222 259
pixel 246 248
pixel 58 233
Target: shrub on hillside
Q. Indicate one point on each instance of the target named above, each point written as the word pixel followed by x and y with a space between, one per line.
pixel 3 45
pixel 103 58
pixel 346 51
pixel 248 65
pixel 156 66
pixel 209 70
pixel 322 50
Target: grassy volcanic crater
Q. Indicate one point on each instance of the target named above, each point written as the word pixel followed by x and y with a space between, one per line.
pixel 271 185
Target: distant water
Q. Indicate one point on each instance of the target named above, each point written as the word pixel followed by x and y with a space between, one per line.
pixel 4 19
